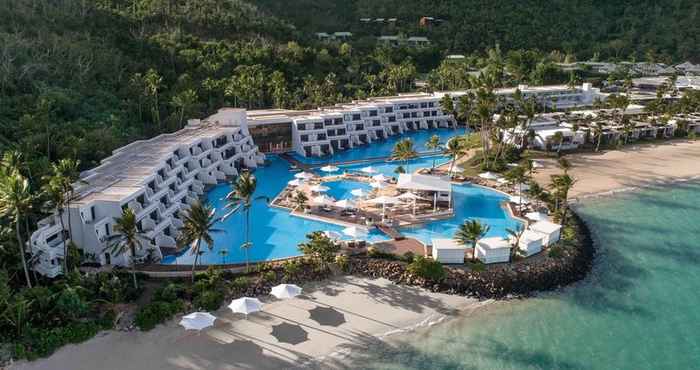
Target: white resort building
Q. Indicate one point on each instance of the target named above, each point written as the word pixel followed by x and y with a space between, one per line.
pixel 156 178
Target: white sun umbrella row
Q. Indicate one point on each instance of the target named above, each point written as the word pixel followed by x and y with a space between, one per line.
pixel 346 204
pixel 318 188
pixel 358 193
pixel 380 178
pixel 295 182
pixel 304 175
pixel 383 200
pixel 323 200
pixel 489 175
pixel 330 168
pixel 368 169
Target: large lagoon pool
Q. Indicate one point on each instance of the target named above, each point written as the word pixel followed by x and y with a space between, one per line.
pixel 275 233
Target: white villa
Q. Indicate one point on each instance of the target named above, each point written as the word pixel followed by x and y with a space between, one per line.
pixel 156 178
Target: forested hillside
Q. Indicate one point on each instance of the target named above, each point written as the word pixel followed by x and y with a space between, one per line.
pixel 668 29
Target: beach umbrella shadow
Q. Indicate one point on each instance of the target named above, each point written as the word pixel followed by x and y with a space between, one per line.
pixel 327 316
pixel 289 333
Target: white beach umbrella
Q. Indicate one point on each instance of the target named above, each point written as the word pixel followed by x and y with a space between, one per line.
pixel 304 175
pixel 409 196
pixel 197 321
pixel 318 188
pixel 355 232
pixel 322 200
pixel 329 168
pixel 245 305
pixel 382 200
pixel 346 203
pixel 283 291
pixel 368 169
pixel 536 216
pixel 295 182
pixel 457 169
pixel 332 234
pixel 502 181
pixel 537 164
pixel 358 192
pixel 488 175
pixel 377 185
pixel 380 177
pixel 518 199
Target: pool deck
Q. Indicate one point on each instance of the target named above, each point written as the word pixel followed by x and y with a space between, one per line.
pixel 400 247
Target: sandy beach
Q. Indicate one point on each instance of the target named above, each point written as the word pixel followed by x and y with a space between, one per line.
pixel 629 168
pixel 355 314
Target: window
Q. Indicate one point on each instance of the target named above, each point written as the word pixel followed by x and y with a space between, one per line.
pixel 356 117
pixel 304 137
pixel 424 105
pixel 341 131
pixel 431 104
pixel 301 127
pixel 338 121
pixel 392 118
pixel 389 110
pixel 373 113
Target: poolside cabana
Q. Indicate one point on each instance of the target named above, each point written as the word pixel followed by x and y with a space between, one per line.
pixel 530 242
pixel 493 250
pixel 550 230
pixel 448 251
pixel 441 188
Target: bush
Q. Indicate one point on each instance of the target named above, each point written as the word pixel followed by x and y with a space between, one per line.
pixel 291 268
pixel 373 252
pixel 476 266
pixel 209 300
pixel 342 261
pixel 427 268
pixel 556 252
pixel 240 283
pixel 43 342
pixel 269 276
pixel 408 257
pixel 169 293
pixel 157 312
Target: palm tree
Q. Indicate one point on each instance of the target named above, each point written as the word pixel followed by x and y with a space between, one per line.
pixel 404 151
pixel 598 132
pixel 432 145
pixel 16 200
pixel 127 237
pixel 454 149
pixel 535 191
pixel 469 232
pixel 65 173
pixel 559 138
pixel 515 235
pixel 241 199
pixel 223 253
pixel 299 200
pixel 57 200
pixel 517 176
pixel 564 164
pixel 198 226
pixel 561 185
pixel 447 105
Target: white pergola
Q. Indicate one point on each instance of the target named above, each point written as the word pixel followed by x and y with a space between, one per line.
pixel 433 184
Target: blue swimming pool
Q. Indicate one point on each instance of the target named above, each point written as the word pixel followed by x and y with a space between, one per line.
pixel 383 148
pixel 275 233
pixel 341 189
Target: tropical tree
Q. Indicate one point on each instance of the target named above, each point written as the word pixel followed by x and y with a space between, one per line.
pixel 241 199
pixel 517 176
pixel 432 145
pixel 300 200
pixel 184 102
pixel 454 149
pixel 561 184
pixel 320 247
pixel 57 201
pixel 404 151
pixel 558 137
pixel 447 105
pixel 16 201
pixel 535 191
pixel 198 227
pixel 598 133
pixel 515 235
pixel 469 232
pixel 60 191
pixel 127 237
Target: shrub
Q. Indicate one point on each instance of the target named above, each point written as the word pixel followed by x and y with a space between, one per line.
pixel 476 266
pixel 427 268
pixel 373 252
pixel 556 252
pixel 240 283
pixel 263 266
pixel 42 342
pixel 269 276
pixel 169 293
pixel 209 300
pixel 157 312
pixel 408 256
pixel 342 261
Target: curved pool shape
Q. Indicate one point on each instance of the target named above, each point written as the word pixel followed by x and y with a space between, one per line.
pixel 341 189
pixel 275 233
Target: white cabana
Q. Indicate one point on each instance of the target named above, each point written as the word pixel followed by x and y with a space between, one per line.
pixel 295 182
pixel 493 250
pixel 489 175
pixel 537 164
pixel 530 242
pixel 318 188
pixel 536 216
pixel 377 185
pixel 323 200
pixel 284 291
pixel 330 168
pixel 355 232
pixel 383 200
pixel 550 230
pixel 245 305
pixel 197 321
pixel 358 193
pixel 304 175
pixel 380 178
pixel 346 203
pixel 410 197
pixel 448 251
pixel 441 187
pixel 368 169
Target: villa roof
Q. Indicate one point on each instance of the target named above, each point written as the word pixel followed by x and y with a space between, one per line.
pixel 493 243
pixel 423 182
pixel 447 244
pixel 545 227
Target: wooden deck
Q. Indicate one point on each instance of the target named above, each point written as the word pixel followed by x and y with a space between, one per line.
pixel 400 247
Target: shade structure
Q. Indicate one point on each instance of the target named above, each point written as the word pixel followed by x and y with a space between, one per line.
pixel 536 216
pixel 295 182
pixel 358 192
pixel 245 305
pixel 346 203
pixel 537 164
pixel 377 185
pixel 304 175
pixel 322 200
pixel 457 169
pixel 284 291
pixel 330 168
pixel 354 232
pixel 380 178
pixel 197 320
pixel 368 169
pixel 518 199
pixel 408 196
pixel 318 188
pixel 488 175
pixel 383 200
pixel 332 234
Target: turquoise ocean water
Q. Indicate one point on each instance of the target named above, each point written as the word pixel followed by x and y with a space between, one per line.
pixel 639 309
